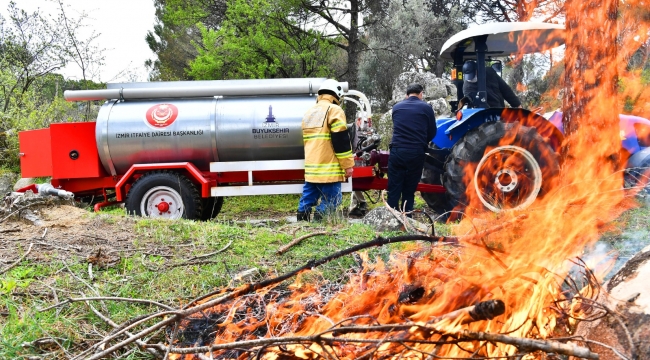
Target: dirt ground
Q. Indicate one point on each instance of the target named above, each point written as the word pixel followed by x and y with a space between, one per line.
pixel 65 230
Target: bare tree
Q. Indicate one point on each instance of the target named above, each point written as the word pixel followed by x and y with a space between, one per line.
pixel 83 52
pixel 30 49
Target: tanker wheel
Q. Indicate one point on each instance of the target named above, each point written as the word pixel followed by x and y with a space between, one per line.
pixel 165 195
pixel 210 207
pixel 500 166
pixel 432 174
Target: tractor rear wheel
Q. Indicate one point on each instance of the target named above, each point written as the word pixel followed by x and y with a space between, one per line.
pixel 638 178
pixel 500 166
pixel 164 194
pixel 432 174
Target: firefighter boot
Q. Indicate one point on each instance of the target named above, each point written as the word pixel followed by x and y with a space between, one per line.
pixel 302 215
pixel 360 210
pixel 318 217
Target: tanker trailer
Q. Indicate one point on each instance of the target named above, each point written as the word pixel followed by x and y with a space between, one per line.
pixel 175 149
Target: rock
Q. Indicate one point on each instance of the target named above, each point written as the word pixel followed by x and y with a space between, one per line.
pixel 381 219
pixel 31 216
pixel 440 107
pixel 629 296
pixel 451 90
pixel 434 87
pixel 246 276
pixel 6 183
pixel 23 182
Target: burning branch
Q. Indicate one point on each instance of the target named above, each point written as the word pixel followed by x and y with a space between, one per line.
pixel 399 334
pixel 548 346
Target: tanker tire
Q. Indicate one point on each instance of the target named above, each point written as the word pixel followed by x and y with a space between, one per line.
pixel 509 163
pixel 164 194
pixel 211 207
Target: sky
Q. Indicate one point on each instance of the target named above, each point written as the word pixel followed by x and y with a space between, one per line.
pixel 122 25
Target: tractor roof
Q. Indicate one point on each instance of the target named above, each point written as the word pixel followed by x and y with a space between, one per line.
pixel 507 38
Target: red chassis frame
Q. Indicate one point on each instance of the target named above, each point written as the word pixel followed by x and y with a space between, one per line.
pixel 364 178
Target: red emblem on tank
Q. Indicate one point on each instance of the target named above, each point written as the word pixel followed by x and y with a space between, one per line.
pixel 161 115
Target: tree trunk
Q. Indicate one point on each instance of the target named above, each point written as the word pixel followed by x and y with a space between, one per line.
pixel 354 51
pixel 590 103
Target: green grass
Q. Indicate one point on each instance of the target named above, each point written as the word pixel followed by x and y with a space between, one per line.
pixel 150 271
pixel 249 206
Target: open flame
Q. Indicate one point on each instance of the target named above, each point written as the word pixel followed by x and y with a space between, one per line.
pixel 524 265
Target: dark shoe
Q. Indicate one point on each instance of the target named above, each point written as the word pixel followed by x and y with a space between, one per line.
pixel 303 215
pixel 318 217
pixel 356 212
pixel 359 211
pixel 363 207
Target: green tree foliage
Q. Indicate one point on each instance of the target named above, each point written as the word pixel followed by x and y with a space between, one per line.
pixel 259 39
pixel 175 31
pixel 519 10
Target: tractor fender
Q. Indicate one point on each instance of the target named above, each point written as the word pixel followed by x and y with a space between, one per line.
pixel 473 118
pixel 640 159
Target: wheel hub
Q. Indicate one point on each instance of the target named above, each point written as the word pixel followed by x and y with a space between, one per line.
pixel 162 202
pixel 507 177
pixel 163 207
pixel 506 180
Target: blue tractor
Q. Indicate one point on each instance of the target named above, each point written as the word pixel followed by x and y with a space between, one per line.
pixel 506 157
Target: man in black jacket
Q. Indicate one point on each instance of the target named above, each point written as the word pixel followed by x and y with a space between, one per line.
pixel 497 89
pixel 414 126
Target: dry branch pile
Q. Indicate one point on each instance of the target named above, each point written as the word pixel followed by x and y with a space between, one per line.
pixel 420 304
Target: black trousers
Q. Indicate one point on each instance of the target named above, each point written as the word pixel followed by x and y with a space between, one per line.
pixel 404 173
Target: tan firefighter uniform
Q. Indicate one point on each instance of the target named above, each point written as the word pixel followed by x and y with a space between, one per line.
pixel 328 151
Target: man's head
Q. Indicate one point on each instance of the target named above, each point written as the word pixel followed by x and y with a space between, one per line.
pixel 469 71
pixel 414 90
pixel 331 87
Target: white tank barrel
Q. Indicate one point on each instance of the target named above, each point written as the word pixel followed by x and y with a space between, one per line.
pixel 200 130
pixel 200 89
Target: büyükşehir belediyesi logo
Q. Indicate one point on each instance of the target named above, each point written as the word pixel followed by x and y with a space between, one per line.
pixel 270 118
pixel 161 115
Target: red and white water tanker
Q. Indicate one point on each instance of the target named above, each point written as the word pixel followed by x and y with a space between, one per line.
pixel 175 149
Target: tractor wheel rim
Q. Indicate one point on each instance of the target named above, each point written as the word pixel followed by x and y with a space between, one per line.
pixel 507 178
pixel 162 202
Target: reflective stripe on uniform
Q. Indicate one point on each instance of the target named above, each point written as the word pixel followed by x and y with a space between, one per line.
pixel 337 173
pixel 339 125
pixel 343 154
pixel 323 169
pixel 317 137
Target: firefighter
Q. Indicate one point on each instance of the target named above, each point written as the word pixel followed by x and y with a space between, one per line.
pixel 328 153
